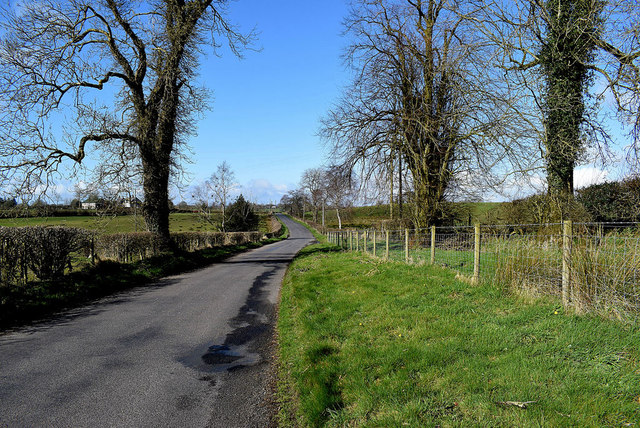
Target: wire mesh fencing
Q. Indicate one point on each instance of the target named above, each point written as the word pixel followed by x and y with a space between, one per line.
pixel 590 266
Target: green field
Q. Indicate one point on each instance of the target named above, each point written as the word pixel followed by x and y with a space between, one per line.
pixel 178 222
pixel 372 216
pixel 369 343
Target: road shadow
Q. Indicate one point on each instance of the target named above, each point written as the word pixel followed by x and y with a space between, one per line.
pixel 90 308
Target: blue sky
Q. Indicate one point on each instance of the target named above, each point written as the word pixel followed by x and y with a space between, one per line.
pixel 266 107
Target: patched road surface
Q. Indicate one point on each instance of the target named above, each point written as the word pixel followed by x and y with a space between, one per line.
pixel 193 351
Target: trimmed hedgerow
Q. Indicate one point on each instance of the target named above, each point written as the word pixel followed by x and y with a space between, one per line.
pixel 44 251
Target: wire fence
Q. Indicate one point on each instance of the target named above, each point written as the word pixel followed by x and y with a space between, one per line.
pixel 590 266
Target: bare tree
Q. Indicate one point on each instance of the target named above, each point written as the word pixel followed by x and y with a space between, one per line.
pixel 112 76
pixel 294 202
pixel 203 198
pixel 423 90
pixel 340 186
pixel 222 183
pixel 312 182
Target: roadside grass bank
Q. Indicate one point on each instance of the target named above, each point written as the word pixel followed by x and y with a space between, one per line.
pixel 37 300
pixel 319 236
pixel 368 343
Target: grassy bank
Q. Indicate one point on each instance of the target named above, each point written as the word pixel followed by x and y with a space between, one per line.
pixel 366 343
pixel 36 300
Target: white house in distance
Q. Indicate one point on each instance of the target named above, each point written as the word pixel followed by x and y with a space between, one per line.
pixel 131 203
pixel 124 203
pixel 90 205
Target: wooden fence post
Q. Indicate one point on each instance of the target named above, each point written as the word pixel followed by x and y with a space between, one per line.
pixel 93 250
pixel 386 253
pixel 567 232
pixel 476 254
pixel 350 240
pixel 364 240
pixel 406 245
pixel 358 241
pixel 433 245
pixel 374 243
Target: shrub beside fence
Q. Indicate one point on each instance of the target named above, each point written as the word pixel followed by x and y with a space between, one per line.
pixel 589 266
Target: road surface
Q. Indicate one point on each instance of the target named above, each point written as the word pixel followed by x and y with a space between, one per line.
pixel 192 351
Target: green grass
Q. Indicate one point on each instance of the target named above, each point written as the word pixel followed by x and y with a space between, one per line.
pixel 367 343
pixel 603 273
pixel 178 222
pixel 360 217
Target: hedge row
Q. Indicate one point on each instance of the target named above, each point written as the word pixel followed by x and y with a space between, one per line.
pixel 46 252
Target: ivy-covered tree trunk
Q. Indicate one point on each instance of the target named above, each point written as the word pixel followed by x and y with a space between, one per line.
pixel 156 199
pixel 572 30
pixel 158 124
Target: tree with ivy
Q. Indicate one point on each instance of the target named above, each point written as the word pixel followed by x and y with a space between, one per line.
pixel 571 28
pixel 556 50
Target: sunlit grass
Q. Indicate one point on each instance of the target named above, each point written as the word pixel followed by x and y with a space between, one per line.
pixel 178 222
pixel 369 343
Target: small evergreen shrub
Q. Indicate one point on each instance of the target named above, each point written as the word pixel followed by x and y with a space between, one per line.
pixel 242 217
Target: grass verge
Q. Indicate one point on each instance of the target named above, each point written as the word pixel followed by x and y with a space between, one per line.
pixel 36 300
pixel 366 343
pixel 319 237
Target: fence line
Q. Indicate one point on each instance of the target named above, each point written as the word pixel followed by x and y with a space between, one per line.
pixel 589 266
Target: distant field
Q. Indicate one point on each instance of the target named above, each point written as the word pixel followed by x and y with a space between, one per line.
pixel 178 222
pixel 371 216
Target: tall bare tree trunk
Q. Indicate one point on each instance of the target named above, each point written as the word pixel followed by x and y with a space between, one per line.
pixel 391 187
pixel 224 216
pixel 400 184
pixel 156 196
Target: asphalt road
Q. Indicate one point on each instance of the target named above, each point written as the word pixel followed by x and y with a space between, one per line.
pixel 193 351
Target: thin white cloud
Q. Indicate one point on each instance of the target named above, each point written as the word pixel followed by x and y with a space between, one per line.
pixel 587 176
pixel 262 191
